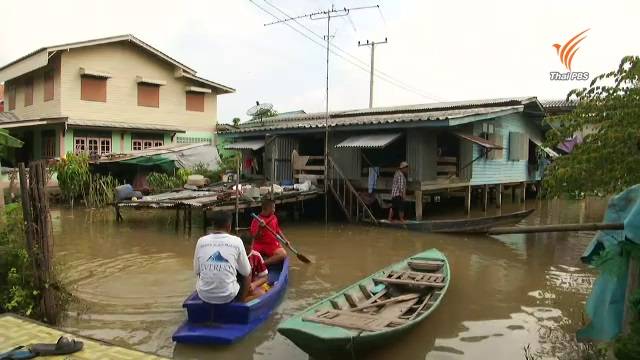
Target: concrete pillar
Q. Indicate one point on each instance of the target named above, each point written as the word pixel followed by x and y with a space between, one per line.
pixel 524 191
pixel 418 196
pixel 498 196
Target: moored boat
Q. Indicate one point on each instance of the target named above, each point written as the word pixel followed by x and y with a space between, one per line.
pixel 228 323
pixel 470 225
pixel 374 310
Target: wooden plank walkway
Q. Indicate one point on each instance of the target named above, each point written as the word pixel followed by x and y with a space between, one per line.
pixel 16 331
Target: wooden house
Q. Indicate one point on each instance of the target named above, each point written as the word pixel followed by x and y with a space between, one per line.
pixel 450 146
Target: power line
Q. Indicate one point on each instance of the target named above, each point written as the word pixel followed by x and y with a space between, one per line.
pixel 345 56
pixel 379 73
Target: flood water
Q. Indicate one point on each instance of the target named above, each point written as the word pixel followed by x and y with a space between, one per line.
pixel 506 292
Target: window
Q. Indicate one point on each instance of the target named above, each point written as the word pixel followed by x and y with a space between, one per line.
pixel 487 130
pixel 105 146
pixel 28 92
pixel 11 97
pixel 80 145
pixel 92 145
pixel 142 144
pixel 48 85
pixel 148 95
pixel 195 101
pixel 93 88
pixel 48 144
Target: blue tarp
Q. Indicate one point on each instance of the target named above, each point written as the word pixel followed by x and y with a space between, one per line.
pixel 605 306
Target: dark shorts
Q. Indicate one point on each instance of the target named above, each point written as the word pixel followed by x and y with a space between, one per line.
pixel 397 203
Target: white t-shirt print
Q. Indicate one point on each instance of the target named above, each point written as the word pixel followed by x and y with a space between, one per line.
pixel 217 261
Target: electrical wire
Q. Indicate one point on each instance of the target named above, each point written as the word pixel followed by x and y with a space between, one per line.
pixel 345 56
pixel 378 73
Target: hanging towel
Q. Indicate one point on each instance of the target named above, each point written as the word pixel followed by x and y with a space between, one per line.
pixel 373 178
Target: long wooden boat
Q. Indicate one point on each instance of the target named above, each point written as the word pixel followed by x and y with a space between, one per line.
pixel 471 225
pixel 374 310
pixel 227 323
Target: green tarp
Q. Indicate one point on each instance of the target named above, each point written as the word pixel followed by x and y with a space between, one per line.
pixel 605 306
pixel 154 160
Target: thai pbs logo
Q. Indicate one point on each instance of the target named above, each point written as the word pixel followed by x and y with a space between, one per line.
pixel 566 52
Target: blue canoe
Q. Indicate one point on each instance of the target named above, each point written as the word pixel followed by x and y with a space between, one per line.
pixel 228 323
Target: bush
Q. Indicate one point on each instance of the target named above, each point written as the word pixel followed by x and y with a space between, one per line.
pixel 77 182
pixel 73 176
pixel 17 291
pixel 101 190
pixel 160 182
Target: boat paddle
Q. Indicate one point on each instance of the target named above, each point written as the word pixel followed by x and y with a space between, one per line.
pixel 282 240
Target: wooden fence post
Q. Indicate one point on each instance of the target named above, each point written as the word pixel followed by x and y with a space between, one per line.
pixel 35 208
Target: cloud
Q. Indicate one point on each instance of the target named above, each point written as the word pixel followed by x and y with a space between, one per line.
pixel 447 50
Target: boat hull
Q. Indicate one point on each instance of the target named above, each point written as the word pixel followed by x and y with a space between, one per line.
pixel 323 340
pixel 227 323
pixel 471 225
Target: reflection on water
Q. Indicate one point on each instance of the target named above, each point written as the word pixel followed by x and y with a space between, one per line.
pixel 506 292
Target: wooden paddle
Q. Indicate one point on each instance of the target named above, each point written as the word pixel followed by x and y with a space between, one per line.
pixel 282 240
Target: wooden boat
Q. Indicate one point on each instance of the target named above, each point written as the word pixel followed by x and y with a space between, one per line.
pixel 372 311
pixel 471 225
pixel 228 323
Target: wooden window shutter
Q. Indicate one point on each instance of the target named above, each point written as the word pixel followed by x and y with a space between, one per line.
pixel 518 146
pixel 28 92
pixel 497 139
pixel 48 85
pixel 195 101
pixel 93 89
pixel 148 95
pixel 12 98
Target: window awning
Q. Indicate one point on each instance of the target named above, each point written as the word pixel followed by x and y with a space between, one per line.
pixel 547 150
pixel 478 140
pixel 376 141
pixel 246 145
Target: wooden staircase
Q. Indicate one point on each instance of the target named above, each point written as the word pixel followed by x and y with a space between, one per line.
pixel 346 195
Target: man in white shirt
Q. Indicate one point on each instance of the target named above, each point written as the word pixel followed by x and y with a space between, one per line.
pixel 218 260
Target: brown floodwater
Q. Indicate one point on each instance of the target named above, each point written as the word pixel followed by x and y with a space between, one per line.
pixel 506 293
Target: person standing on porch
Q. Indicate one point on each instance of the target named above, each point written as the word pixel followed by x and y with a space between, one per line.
pixel 399 192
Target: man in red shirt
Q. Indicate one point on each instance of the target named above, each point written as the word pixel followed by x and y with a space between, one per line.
pixel 264 241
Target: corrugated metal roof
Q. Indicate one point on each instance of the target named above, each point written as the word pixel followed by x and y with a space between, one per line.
pixel 246 145
pixel 309 122
pixel 122 125
pixel 558 103
pixel 369 141
pixel 8 116
pixel 159 150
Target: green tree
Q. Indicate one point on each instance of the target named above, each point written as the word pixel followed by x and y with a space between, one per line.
pixel 265 114
pixel 608 113
pixel 236 121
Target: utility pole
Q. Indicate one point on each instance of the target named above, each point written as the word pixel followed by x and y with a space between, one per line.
pixel 321 15
pixel 373 48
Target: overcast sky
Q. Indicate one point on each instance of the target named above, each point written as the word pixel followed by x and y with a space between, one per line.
pixel 441 50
